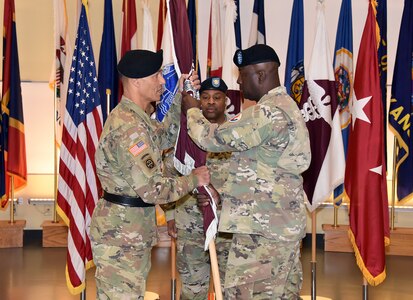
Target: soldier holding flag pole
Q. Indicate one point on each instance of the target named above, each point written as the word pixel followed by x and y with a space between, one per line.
pixel 263 199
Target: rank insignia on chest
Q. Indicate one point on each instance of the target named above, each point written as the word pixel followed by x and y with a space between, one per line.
pixel 137 148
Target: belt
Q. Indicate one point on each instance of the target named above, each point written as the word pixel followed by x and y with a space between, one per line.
pixel 125 200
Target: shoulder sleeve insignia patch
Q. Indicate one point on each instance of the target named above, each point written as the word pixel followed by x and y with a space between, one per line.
pixel 137 148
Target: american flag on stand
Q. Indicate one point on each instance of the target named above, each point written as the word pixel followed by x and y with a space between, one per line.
pixel 78 186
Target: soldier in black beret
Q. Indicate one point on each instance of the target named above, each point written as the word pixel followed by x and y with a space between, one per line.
pixel 128 163
pixel 263 200
pixel 213 99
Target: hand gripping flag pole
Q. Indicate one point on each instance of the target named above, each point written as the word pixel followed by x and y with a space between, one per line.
pixel 188 156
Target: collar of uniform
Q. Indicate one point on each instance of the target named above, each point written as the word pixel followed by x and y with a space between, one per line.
pixel 136 108
pixel 278 90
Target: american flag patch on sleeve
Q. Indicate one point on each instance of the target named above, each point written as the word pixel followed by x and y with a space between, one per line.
pixel 137 148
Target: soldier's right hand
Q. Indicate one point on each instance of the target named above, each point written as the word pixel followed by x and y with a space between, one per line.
pixel 172 232
pixel 202 174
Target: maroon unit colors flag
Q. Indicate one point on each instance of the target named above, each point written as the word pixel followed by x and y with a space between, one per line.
pixel 12 142
pixel 365 177
pixel 78 186
pixel 319 107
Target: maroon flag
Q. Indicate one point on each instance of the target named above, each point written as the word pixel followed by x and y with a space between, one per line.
pixel 319 107
pixel 365 177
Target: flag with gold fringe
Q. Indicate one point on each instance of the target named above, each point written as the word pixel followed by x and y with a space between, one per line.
pixel 365 177
pixel 78 186
pixel 12 138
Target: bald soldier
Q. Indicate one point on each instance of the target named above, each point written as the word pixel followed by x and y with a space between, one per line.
pixel 185 220
pixel 128 163
pixel 263 198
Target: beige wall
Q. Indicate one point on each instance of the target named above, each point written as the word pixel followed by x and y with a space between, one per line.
pixel 35 41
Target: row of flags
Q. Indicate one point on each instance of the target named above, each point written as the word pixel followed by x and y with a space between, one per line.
pixel 80 118
pixel 346 119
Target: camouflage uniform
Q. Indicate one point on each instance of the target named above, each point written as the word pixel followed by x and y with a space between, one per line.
pixel 128 162
pixel 263 199
pixel 192 261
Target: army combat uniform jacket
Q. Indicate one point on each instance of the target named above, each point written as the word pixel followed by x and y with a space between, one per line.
pixel 270 149
pixel 128 160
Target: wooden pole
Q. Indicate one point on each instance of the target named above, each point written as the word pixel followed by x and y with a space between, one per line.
pixel 12 199
pixel 173 268
pixel 215 270
pixel 393 185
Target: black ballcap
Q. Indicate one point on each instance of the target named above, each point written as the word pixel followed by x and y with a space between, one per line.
pixel 140 63
pixel 254 55
pixel 213 83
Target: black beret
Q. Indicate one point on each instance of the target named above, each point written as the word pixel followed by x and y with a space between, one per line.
pixel 140 63
pixel 254 55
pixel 213 83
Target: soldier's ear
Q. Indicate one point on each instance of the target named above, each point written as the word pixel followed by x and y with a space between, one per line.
pixel 261 74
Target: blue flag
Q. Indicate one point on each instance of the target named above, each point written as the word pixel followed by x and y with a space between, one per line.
pixel 237 26
pixel 343 71
pixel 381 18
pixel 294 70
pixel 108 74
pixel 401 105
pixel 191 10
pixel 257 33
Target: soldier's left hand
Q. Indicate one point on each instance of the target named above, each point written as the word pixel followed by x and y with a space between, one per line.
pixel 195 82
pixel 188 102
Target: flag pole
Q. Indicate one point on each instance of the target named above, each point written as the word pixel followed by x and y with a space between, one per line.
pixel 12 199
pixel 393 190
pixel 108 93
pixel 214 269
pixel 173 268
pixel 365 289
pixel 313 256
pixel 335 224
pixel 55 156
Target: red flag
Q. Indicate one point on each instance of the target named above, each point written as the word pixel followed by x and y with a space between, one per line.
pixel 78 186
pixel 181 34
pixel 12 142
pixel 365 177
pixel 129 33
pixel 214 64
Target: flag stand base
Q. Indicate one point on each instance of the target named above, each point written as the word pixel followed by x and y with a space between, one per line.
pixel 54 234
pixel 336 240
pixel 11 234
